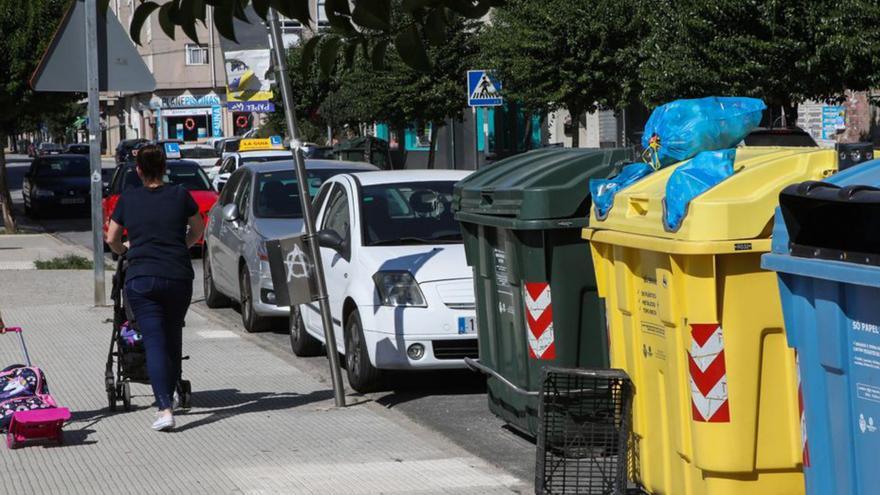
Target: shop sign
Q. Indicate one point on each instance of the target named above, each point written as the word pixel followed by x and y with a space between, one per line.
pixel 185 101
pixel 251 106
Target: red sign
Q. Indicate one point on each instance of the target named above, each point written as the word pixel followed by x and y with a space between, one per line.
pixel 708 374
pixel 539 315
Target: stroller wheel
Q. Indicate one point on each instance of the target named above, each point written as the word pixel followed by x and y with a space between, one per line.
pixel 126 396
pixel 184 389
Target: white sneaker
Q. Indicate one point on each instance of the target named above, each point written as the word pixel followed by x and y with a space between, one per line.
pixel 164 422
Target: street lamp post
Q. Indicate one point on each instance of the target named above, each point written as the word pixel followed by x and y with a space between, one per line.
pixel 308 215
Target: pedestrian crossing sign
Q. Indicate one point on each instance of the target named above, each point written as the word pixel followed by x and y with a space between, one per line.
pixel 483 89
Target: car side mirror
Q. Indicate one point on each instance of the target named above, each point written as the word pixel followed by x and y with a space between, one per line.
pixel 230 212
pixel 330 239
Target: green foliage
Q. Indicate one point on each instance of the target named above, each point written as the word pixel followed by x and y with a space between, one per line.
pixel 27 28
pixel 783 52
pixel 370 25
pixel 581 55
pixel 69 262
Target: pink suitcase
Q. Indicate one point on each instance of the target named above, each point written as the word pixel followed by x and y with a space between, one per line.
pixel 36 424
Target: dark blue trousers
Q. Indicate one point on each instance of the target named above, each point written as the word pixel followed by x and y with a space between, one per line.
pixel 159 306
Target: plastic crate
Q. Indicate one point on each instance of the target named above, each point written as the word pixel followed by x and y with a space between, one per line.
pixel 584 432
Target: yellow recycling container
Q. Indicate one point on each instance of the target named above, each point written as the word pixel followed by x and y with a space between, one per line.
pixel 698 327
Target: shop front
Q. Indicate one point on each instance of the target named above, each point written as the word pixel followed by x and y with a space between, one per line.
pixel 188 117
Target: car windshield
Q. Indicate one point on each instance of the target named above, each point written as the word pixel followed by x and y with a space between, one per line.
pixel 262 159
pixel 190 176
pixel 50 146
pixel 62 167
pixel 409 213
pixel 199 152
pixel 278 194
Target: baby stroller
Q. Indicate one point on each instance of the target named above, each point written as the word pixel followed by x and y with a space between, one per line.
pixel 127 351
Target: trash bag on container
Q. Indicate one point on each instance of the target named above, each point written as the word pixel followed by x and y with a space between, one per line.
pixel 681 129
pixel 693 178
pixel 603 190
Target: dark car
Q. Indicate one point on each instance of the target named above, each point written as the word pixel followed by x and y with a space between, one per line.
pixel 77 149
pixel 124 148
pixel 45 149
pixel 57 181
pixel 784 136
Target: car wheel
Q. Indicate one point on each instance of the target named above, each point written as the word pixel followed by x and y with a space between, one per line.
pixel 362 375
pixel 213 298
pixel 301 343
pixel 249 318
pixel 32 210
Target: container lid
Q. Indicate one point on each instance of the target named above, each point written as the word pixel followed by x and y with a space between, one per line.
pixel 835 219
pixel 738 208
pixel 543 184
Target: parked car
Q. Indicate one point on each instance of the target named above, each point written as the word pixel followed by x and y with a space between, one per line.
pixel 260 202
pixel 206 156
pixel 184 172
pixel 125 147
pixel 400 290
pixel 784 136
pixel 232 161
pixel 45 149
pixel 56 181
pixel 77 149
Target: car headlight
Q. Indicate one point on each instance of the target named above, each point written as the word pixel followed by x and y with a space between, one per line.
pixel 43 193
pixel 399 289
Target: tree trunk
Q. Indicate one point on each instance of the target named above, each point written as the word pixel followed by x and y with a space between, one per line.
pixel 435 129
pixel 576 114
pixel 527 135
pixel 5 197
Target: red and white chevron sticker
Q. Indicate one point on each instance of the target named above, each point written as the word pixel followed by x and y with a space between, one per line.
pixel 708 372
pixel 804 444
pixel 539 315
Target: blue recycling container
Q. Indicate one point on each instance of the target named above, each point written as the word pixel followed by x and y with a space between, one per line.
pixel 826 251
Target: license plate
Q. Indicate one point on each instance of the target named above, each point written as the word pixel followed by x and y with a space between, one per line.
pixel 73 201
pixel 467 325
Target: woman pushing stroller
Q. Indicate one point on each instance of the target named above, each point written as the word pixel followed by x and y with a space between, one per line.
pixel 162 222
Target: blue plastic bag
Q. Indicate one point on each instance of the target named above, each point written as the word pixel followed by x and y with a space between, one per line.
pixel 693 178
pixel 681 129
pixel 603 190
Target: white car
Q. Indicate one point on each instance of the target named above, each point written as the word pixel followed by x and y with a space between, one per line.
pixel 400 290
pixel 232 161
pixel 203 154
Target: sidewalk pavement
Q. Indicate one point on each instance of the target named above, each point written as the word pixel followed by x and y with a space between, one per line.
pixel 258 424
pixel 21 250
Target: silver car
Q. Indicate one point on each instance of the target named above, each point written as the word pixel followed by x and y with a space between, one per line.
pixel 260 202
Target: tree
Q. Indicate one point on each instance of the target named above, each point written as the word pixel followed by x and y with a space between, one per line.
pixel 371 25
pixel 396 93
pixel 575 54
pixel 782 52
pixel 27 28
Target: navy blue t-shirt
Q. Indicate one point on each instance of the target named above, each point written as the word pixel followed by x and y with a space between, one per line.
pixel 156 221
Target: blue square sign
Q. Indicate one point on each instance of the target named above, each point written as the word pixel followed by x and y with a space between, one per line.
pixel 483 89
pixel 172 150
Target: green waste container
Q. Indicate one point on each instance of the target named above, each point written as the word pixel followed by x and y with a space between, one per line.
pixel 536 296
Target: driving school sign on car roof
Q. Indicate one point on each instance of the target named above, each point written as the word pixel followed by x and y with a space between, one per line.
pixel 255 144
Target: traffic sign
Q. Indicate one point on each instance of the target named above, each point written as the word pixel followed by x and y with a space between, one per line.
pixel 483 89
pixel 120 66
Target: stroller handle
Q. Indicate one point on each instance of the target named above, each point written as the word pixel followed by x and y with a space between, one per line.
pixel 20 333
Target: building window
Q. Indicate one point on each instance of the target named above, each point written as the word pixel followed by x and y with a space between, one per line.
pixel 196 54
pixel 418 138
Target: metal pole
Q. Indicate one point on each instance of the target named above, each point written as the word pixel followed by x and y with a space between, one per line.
pixel 477 138
pixel 95 147
pixel 485 135
pixel 306 200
